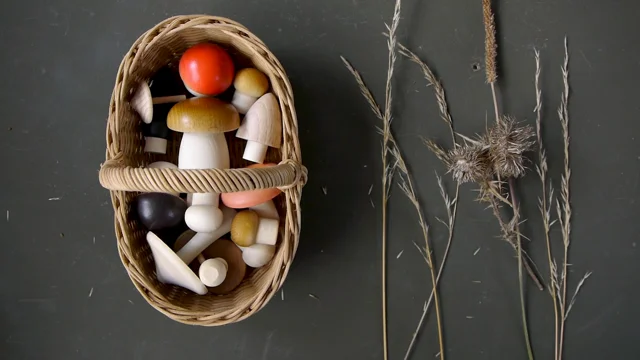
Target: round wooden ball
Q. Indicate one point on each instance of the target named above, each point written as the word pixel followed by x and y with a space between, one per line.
pixel 159 211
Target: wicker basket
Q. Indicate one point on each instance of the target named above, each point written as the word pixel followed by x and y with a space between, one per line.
pixel 123 173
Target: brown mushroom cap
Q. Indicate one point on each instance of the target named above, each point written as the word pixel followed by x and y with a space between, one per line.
pixel 244 228
pixel 203 115
pixel 252 82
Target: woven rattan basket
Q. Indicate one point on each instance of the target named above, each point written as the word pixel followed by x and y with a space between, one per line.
pixel 123 172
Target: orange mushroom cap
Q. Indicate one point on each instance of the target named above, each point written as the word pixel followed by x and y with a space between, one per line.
pixel 247 199
pixel 206 69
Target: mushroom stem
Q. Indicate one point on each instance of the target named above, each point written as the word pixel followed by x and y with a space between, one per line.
pixel 242 102
pixel 204 151
pixel 201 241
pixel 168 99
pixel 255 152
pixel 155 145
pixel 212 272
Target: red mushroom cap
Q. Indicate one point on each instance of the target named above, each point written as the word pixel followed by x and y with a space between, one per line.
pixel 206 69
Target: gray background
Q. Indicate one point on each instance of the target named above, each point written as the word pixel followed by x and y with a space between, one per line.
pixel 59 63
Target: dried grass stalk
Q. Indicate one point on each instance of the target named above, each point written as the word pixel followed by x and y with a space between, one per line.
pixel 451 205
pixel 546 199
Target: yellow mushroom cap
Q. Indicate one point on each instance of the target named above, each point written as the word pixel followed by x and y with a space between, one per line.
pixel 244 228
pixel 252 82
pixel 203 115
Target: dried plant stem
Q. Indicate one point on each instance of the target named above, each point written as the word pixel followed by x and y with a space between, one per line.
pixel 452 205
pixel 387 139
pixel 516 216
pixel 564 205
pixel 452 219
pixel 505 229
pixel 406 184
pixel 544 204
pixel 491 72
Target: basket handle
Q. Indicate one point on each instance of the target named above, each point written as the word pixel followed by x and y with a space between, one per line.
pixel 116 176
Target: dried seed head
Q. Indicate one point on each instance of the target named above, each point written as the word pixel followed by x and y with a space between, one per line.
pixel 507 144
pixel 490 52
pixel 469 163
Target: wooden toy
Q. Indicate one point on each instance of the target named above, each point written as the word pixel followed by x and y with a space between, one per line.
pixel 261 127
pixel 266 210
pixel 220 249
pixel 171 269
pixel 249 84
pixel 248 228
pixel 203 122
pixel 158 211
pixel 165 87
pixel 206 69
pixel 156 133
pixel 247 199
pixel 257 255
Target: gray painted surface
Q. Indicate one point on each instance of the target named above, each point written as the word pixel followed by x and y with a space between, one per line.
pixel 66 297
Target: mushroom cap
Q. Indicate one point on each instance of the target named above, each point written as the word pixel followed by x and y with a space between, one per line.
pixel 203 115
pixel 263 122
pixel 142 103
pixel 244 228
pixel 247 199
pixel 158 211
pixel 258 255
pixel 207 69
pixel 252 82
pixel 171 269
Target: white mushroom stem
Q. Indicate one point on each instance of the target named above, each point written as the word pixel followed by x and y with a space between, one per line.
pixel 168 99
pixel 212 272
pixel 266 210
pixel 201 241
pixel 155 145
pixel 242 102
pixel 255 152
pixel 267 232
pixel 204 151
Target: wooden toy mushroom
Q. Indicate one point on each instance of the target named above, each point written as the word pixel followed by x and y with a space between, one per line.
pixel 267 210
pixel 163 89
pixel 171 269
pixel 257 255
pixel 248 229
pixel 158 211
pixel 220 252
pixel 200 241
pixel 251 198
pixel 250 84
pixel 156 133
pixel 261 127
pixel 206 69
pixel 203 122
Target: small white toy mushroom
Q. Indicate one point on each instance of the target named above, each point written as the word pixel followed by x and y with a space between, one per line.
pixel 201 241
pixel 250 84
pixel 212 272
pixel 261 127
pixel 143 100
pixel 257 255
pixel 248 229
pixel 203 122
pixel 171 269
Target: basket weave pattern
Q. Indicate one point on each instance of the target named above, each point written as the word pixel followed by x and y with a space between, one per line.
pixel 124 174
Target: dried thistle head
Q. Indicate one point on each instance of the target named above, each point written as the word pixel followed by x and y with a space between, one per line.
pixel 507 144
pixel 470 162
